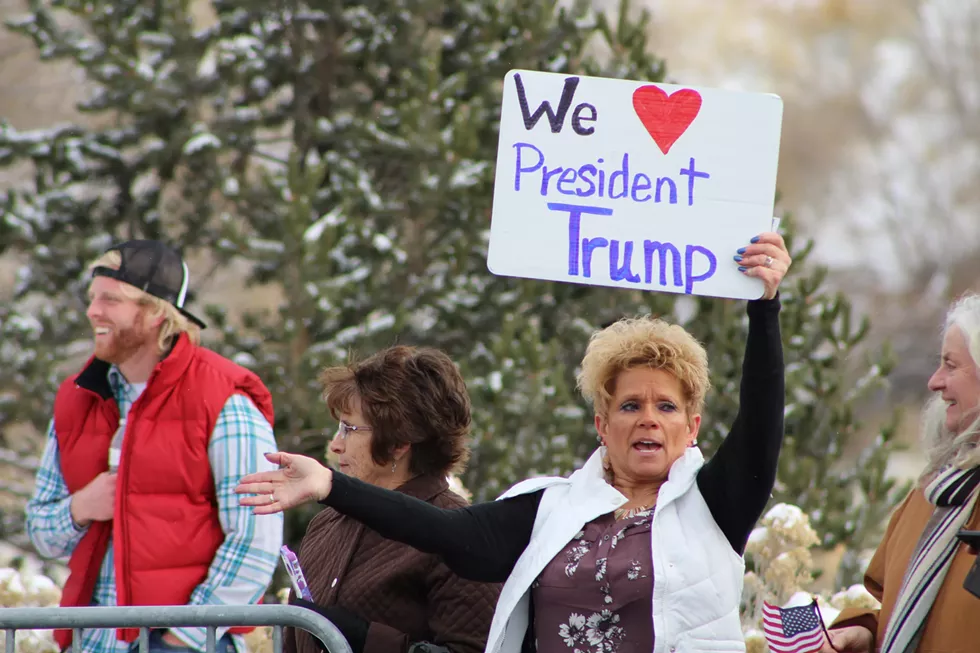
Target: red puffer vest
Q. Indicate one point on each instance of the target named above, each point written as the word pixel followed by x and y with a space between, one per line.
pixel 165 528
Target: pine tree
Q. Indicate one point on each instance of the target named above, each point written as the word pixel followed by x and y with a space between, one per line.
pixel 345 153
pixel 128 176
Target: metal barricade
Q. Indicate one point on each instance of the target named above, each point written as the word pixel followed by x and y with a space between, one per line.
pixel 170 616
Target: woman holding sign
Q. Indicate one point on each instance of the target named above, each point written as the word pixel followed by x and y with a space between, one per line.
pixel 641 548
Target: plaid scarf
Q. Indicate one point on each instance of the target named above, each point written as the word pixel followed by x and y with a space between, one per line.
pixel 953 492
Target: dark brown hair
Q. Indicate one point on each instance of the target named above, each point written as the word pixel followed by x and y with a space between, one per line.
pixel 409 395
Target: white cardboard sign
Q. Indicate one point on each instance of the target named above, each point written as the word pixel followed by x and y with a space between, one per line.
pixel 633 185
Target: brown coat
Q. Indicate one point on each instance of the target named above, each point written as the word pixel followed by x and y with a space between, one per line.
pixel 953 625
pixel 408 596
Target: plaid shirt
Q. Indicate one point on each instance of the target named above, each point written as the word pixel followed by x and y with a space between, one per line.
pixel 243 565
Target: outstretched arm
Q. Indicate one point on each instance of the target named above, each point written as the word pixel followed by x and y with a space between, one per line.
pixel 481 542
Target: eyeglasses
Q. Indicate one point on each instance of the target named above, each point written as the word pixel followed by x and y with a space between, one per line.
pixel 346 429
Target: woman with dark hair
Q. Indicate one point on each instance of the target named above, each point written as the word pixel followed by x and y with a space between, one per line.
pixel 404 416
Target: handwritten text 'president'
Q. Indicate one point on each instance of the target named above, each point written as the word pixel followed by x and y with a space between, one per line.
pixel 534 173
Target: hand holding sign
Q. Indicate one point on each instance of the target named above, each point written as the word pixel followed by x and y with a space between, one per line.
pixel 765 258
pixel 651 187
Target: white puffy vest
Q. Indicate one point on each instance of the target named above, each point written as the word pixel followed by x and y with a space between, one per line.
pixel 697 575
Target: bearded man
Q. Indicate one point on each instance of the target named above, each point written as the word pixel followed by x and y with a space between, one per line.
pixel 136 484
pixel 917 573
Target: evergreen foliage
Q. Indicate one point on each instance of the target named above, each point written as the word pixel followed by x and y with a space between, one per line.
pixel 344 153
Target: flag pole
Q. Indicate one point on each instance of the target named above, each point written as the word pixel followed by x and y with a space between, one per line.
pixel 826 633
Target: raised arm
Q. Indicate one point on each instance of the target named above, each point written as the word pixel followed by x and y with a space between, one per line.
pixel 737 482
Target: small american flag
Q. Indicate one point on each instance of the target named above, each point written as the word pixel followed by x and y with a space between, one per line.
pixel 793 630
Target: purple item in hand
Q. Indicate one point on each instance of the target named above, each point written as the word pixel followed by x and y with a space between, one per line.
pixel 296 577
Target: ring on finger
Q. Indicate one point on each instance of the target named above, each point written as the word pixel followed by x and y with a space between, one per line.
pixel 768 262
pixel 272 497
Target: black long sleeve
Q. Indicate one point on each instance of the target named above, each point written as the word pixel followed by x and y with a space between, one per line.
pixel 483 542
pixel 737 482
pixel 480 542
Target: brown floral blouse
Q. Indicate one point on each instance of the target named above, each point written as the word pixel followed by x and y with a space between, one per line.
pixel 595 596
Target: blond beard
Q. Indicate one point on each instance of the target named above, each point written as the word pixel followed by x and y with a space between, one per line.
pixel 125 342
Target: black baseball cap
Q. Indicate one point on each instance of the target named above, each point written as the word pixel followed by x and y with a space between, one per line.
pixel 154 268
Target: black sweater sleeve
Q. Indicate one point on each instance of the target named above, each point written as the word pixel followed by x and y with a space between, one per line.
pixel 481 542
pixel 737 482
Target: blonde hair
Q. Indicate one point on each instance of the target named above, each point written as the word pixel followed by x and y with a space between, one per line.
pixel 174 322
pixel 943 447
pixel 643 342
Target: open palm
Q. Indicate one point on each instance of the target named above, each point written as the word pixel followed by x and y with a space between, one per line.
pixel 298 480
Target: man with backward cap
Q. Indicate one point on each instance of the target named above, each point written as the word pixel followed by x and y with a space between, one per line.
pixel 145 448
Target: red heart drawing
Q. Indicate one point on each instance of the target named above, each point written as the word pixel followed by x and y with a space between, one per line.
pixel 666 117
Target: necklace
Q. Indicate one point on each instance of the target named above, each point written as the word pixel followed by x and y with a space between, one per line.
pixel 629 513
